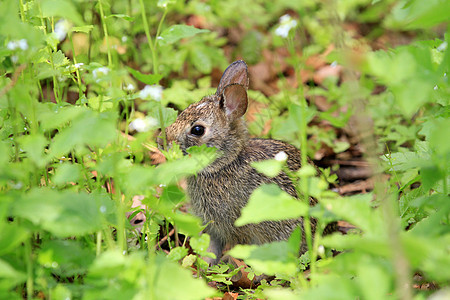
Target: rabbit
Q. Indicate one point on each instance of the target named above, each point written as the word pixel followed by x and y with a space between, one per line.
pixel 222 189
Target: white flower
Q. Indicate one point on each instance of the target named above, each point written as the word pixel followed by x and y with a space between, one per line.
pixel 13 45
pixel 124 39
pixel 129 87
pixel 151 91
pixel 442 47
pixel 99 72
pixel 14 58
pixel 143 124
pixel 61 29
pixel 17 185
pixel 286 24
pixel 281 156
pixel 321 250
pixel 23 44
pixel 78 65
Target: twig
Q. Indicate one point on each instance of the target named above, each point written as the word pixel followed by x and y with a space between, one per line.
pixel 158 245
pixel 356 163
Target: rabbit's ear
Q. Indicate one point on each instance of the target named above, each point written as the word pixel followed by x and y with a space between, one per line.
pixel 234 101
pixel 236 73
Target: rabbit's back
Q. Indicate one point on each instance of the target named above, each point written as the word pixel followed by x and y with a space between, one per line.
pixel 218 197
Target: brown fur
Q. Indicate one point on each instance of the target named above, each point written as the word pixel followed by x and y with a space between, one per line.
pixel 221 190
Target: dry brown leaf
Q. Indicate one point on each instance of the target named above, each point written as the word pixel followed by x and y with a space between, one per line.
pixel 230 296
pixel 325 72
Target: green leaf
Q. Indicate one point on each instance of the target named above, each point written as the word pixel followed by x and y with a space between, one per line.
pixel 176 32
pixel 185 223
pixel 270 259
pixel 417 14
pixel 269 167
pixel 200 244
pixel 117 276
pixel 5 152
pixel 201 59
pixel 10 277
pixel 172 171
pixel 34 145
pixel 61 8
pixel 149 79
pixel 89 128
pixel 439 132
pixel 189 260
pixel 65 257
pixel 373 280
pixel 170 274
pixel 330 285
pixel 59 59
pixel 60 291
pixel 402 161
pixel 67 173
pixel 403 72
pixel 269 203
pixel 52 116
pixel 358 211
pixel 13 27
pixel 121 16
pixel 100 103
pixel 169 116
pixel 307 171
pixel 373 244
pixel 427 252
pixel 281 293
pixel 339 146
pixel 177 253
pixel 63 213
pixel 430 176
pixel 12 236
pixel 85 28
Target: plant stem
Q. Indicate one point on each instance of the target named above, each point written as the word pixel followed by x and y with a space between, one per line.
pixel 158 31
pixel 121 240
pixel 22 11
pixel 162 125
pixel 50 52
pixel 80 90
pixel 304 181
pixel 98 243
pixel 388 201
pixel 149 38
pixel 29 264
pixel 105 32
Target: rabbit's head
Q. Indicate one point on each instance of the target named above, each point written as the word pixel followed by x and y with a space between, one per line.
pixel 216 120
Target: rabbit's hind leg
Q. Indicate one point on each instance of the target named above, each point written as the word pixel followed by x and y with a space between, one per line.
pixel 216 246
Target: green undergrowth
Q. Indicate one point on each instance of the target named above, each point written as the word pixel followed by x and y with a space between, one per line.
pixel 78 78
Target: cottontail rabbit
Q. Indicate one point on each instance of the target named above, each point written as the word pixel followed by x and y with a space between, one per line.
pixel 222 189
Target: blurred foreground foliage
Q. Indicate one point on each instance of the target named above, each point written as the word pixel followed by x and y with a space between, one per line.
pixel 77 76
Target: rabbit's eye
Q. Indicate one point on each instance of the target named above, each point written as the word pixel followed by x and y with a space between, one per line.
pixel 198 130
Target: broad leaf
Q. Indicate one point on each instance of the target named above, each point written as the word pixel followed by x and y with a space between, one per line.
pixel 270 203
pixel 149 79
pixel 63 213
pixel 176 32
